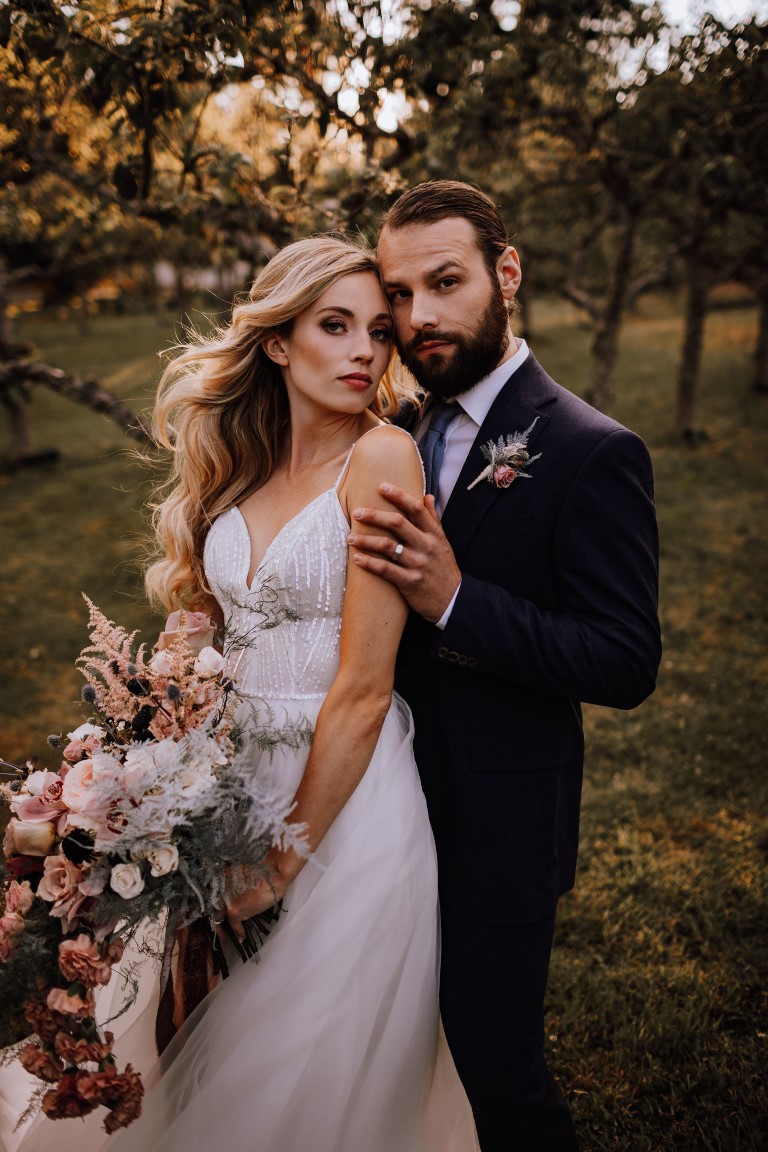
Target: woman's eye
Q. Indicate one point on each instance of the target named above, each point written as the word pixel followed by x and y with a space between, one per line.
pixel 381 334
pixel 333 326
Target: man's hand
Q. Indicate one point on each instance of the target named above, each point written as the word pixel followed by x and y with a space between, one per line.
pixel 425 569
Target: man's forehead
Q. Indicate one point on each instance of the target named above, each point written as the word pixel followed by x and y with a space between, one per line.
pixel 422 249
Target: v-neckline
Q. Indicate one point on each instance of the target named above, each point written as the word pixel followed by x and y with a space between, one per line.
pixel 235 508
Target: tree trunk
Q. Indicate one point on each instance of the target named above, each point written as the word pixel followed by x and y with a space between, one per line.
pixel 605 346
pixel 17 375
pixel 760 378
pixel 688 378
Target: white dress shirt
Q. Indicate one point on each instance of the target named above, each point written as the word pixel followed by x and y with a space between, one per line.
pixel 471 410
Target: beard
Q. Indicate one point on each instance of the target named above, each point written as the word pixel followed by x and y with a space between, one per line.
pixel 446 376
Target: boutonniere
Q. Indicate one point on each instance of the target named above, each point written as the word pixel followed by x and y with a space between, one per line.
pixel 506 459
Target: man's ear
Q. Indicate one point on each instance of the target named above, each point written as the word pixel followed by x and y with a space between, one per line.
pixel 274 346
pixel 508 271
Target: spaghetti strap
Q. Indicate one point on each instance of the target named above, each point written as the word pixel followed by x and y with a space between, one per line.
pixel 344 469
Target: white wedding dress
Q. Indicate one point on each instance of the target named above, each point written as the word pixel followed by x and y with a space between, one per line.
pixel 328 1042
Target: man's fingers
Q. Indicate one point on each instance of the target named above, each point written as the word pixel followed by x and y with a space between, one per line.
pixel 392 572
pixel 410 506
pixel 382 545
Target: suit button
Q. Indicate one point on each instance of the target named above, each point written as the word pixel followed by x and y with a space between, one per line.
pixel 463 659
pixel 452 657
pixel 471 662
pixel 442 653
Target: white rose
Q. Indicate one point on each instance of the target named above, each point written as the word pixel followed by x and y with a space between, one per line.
pixel 209 662
pixel 126 880
pixel 161 663
pixel 164 859
pixel 86 730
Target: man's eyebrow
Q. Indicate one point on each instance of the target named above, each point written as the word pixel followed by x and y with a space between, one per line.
pixel 435 274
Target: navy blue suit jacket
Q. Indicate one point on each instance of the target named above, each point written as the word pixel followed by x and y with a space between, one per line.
pixel 558 604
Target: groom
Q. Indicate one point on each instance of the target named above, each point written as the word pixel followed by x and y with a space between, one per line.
pixel 532 588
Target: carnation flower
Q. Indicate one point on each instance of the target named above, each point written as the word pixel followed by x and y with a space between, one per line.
pixel 41 1063
pixel 60 1000
pixel 81 961
pixel 64 1100
pixel 19 897
pixel 82 1051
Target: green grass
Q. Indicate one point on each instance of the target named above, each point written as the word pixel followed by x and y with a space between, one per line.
pixel 657 1018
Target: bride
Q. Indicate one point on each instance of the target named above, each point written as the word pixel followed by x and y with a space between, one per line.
pixel 329 1042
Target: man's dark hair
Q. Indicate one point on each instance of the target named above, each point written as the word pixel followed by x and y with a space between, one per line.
pixel 438 199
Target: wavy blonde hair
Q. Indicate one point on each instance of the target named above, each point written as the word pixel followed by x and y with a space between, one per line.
pixel 222 411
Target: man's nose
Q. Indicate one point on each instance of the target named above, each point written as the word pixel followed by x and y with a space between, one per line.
pixel 423 312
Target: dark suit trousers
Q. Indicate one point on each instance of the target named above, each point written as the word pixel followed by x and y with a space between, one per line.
pixel 492 985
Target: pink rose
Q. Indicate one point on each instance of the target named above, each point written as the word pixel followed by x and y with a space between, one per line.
pixel 19 897
pixel 60 887
pixel 29 837
pixel 73 751
pixel 59 1000
pixel 91 786
pixel 198 627
pixel 503 475
pixel 81 962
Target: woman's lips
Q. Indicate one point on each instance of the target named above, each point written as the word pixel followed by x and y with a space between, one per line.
pixel 358 382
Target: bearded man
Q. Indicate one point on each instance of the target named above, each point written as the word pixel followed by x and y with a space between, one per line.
pixel 532 573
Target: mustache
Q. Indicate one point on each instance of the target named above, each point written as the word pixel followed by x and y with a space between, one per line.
pixel 427 338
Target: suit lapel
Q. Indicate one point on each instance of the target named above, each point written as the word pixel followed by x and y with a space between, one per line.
pixel 519 403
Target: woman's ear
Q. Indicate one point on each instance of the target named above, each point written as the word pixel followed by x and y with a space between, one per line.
pixel 274 346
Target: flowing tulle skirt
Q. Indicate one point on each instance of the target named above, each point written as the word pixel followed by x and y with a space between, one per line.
pixel 328 1041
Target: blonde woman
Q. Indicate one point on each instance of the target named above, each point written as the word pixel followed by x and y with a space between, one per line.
pixel 328 1043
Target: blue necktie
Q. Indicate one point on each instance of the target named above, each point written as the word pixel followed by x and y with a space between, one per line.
pixel 432 444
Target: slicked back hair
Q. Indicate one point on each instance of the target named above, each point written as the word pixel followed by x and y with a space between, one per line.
pixel 439 199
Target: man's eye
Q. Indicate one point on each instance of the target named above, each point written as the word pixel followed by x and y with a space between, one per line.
pixel 448 282
pixel 398 296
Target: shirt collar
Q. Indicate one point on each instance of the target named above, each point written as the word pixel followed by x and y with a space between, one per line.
pixel 478 400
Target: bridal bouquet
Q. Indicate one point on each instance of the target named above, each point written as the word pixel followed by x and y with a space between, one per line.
pixel 150 802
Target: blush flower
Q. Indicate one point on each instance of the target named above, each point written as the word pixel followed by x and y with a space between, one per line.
pixel 504 475
pixel 41 1063
pixel 29 837
pixel 19 897
pixel 59 1000
pixel 197 625
pixel 81 961
pixel 65 1101
pixel 126 880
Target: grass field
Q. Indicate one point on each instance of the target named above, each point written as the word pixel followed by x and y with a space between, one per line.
pixel 658 1019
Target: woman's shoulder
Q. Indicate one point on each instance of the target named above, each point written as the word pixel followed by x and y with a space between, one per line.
pixel 387 453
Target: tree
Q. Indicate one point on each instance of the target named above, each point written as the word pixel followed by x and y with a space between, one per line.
pixel 111 143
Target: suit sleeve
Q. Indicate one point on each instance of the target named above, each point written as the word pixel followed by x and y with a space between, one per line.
pixel 601 645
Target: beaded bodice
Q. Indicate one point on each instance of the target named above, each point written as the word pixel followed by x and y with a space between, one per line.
pixel 284 629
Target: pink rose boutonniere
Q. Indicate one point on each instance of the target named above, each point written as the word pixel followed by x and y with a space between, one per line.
pixel 507 457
